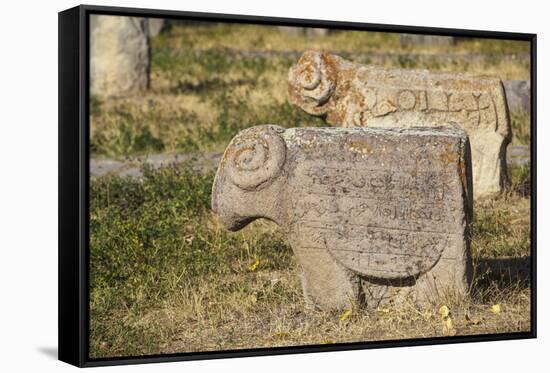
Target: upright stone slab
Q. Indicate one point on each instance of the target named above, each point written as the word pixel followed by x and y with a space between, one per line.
pixel 349 95
pixel 155 26
pixel 372 215
pixel 119 55
pixel 304 31
pixel 518 95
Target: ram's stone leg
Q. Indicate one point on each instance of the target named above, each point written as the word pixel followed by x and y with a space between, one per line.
pixel 326 283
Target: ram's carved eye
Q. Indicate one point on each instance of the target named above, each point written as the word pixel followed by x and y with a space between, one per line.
pixel 255 158
pixel 313 78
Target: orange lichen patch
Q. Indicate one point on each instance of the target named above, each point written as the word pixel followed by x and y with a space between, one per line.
pixel 306 68
pixel 244 149
pixel 293 94
pixel 360 145
pixel 305 58
pixel 336 116
pixel 449 156
pixel 332 67
pixel 462 172
pixel 251 149
pixel 312 82
pixel 467 83
pixel 233 152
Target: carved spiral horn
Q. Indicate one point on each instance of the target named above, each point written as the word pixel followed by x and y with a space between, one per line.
pixel 255 157
pixel 313 79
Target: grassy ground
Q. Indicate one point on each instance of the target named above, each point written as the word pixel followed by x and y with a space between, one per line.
pixel 166 277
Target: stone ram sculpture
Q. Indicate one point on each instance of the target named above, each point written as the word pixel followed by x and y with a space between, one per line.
pixel 372 215
pixel 348 94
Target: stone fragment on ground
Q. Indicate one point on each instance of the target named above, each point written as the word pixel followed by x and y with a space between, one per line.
pixel 132 166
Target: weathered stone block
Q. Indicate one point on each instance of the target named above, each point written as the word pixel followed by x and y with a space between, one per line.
pixel 155 26
pixel 425 40
pixel 372 215
pixel 518 95
pixel 349 95
pixel 304 31
pixel 119 55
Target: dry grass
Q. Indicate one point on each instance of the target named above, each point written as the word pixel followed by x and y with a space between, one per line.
pixel 265 308
pixel 504 58
pixel 198 320
pixel 205 35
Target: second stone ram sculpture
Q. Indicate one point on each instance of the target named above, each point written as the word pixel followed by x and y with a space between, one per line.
pixel 372 215
pixel 353 95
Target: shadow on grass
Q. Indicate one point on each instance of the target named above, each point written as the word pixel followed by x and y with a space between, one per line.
pixel 504 272
pixel 208 85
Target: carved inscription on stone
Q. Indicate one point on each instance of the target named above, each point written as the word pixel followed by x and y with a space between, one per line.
pixel 352 95
pixel 362 208
pixel 383 207
pixel 427 106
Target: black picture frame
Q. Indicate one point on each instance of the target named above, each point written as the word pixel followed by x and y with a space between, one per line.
pixel 74 177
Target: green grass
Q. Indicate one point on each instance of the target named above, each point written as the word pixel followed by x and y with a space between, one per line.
pixel 521 128
pixel 125 130
pixel 502 224
pixel 155 237
pixel 496 235
pixel 520 178
pixel 208 71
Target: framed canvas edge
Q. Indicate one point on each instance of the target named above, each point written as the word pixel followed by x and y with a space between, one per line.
pixel 305 22
pixel 533 160
pixel 71 178
pixel 73 106
pixel 210 355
